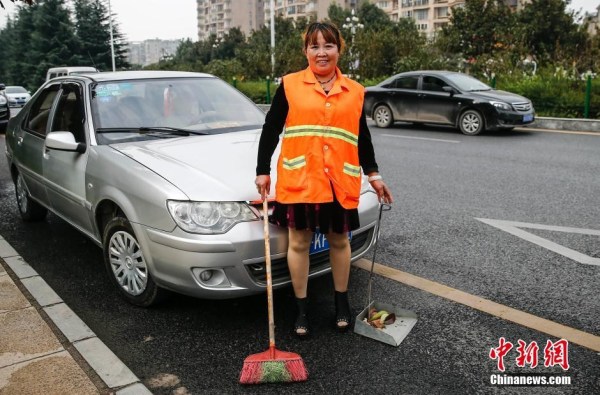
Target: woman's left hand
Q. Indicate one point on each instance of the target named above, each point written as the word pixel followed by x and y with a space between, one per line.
pixel 383 192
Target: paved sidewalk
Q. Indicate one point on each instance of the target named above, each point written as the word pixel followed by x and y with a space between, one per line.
pixel 44 347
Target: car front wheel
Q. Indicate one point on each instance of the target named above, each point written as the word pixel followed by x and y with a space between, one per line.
pixel 471 123
pixel 31 211
pixel 126 264
pixel 383 116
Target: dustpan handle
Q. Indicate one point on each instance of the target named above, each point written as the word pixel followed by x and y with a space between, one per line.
pixel 382 207
pixel 269 278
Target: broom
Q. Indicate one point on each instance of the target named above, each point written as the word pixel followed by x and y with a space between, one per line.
pixel 272 366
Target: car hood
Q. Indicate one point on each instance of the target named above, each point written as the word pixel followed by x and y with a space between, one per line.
pixel 219 167
pixel 504 96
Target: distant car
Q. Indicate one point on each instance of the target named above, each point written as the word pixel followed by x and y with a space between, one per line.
pixel 56 72
pixel 17 96
pixel 4 109
pixel 157 168
pixel 447 98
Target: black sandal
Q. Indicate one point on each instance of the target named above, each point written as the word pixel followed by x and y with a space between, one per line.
pixel 301 328
pixel 342 311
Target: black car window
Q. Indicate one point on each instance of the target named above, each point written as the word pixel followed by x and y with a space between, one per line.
pixel 69 115
pixel 407 82
pixel 37 119
pixel 434 84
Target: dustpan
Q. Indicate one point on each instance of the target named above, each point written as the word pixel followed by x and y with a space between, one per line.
pixel 392 334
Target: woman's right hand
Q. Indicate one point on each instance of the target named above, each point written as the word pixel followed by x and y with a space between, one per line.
pixel 263 185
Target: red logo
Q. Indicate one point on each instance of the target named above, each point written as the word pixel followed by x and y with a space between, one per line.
pixel 555 353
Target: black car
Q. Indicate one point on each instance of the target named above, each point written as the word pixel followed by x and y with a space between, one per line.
pixel 447 98
pixel 4 109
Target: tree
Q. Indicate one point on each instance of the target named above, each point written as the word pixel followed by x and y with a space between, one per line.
pixel 30 2
pixel 93 30
pixel 549 31
pixel 53 41
pixel 480 27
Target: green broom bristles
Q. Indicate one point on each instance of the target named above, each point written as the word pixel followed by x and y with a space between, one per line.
pixel 273 366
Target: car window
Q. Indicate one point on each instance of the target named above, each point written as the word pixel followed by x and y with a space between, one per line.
pixel 69 115
pixel 467 83
pixel 433 84
pixel 207 105
pixel 37 119
pixel 15 89
pixel 407 82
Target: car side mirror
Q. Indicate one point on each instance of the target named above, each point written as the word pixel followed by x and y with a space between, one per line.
pixel 449 89
pixel 64 141
pixel 2 87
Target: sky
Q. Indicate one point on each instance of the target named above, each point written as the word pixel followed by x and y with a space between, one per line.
pixel 176 19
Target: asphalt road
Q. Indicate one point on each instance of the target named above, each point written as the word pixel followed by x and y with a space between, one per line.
pixel 443 181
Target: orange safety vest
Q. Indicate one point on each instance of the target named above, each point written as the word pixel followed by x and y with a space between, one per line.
pixel 320 143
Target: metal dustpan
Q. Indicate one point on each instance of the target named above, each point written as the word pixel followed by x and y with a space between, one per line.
pixel 392 334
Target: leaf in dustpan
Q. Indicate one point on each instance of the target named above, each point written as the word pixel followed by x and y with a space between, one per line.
pixel 390 319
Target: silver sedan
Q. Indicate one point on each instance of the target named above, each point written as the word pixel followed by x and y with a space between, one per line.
pixel 157 168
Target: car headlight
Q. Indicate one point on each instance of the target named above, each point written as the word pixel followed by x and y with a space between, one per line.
pixel 501 105
pixel 209 217
pixel 2 100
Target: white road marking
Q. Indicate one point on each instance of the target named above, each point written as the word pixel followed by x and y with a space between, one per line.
pixel 513 228
pixel 421 138
pixel 501 311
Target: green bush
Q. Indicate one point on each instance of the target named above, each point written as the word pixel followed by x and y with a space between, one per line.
pixel 256 90
pixel 554 94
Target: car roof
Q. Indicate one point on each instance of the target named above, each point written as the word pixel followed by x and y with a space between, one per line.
pixel 141 74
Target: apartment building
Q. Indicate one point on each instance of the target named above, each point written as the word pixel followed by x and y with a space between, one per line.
pixel 151 51
pixel 218 16
pixel 310 9
pixel 593 21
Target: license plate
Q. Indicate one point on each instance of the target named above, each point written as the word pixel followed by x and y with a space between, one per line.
pixel 320 243
pixel 528 118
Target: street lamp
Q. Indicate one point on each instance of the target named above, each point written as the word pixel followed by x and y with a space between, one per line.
pixel 112 45
pixel 352 23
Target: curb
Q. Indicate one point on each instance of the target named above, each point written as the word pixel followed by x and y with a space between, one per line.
pixel 111 370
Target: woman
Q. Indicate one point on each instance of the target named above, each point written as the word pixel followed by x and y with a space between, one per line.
pixel 325 143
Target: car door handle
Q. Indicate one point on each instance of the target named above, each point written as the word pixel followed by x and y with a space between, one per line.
pixel 19 140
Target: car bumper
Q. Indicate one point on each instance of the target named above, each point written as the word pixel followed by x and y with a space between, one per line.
pixel 504 119
pixel 233 264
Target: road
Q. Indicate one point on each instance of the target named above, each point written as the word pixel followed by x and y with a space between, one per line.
pixel 451 193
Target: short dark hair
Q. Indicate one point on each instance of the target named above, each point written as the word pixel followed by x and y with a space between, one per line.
pixel 330 33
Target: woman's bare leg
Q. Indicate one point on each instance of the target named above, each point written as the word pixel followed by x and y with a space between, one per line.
pixel 297 257
pixel 339 255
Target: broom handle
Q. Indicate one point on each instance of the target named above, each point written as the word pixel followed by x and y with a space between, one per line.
pixel 269 279
pixel 382 207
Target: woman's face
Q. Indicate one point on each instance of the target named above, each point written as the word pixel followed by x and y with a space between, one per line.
pixel 322 56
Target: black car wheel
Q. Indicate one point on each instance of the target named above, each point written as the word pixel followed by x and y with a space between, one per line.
pixel 31 211
pixel 383 116
pixel 471 123
pixel 126 264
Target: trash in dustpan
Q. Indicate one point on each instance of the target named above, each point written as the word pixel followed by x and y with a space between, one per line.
pixel 391 333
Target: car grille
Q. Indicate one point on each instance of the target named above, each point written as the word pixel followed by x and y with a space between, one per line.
pixel 318 262
pixel 522 106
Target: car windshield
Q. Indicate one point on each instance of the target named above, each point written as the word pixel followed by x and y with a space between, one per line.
pixel 197 106
pixel 466 83
pixel 15 89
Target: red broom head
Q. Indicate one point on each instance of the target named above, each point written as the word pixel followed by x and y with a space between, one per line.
pixel 273 366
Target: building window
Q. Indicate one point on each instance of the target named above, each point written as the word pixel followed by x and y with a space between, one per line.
pixel 421 14
pixel 441 12
pixel 421 2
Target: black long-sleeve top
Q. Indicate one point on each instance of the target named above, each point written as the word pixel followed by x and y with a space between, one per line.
pixel 275 121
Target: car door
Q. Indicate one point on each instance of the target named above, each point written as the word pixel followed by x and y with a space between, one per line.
pixel 437 105
pixel 64 171
pixel 29 143
pixel 403 98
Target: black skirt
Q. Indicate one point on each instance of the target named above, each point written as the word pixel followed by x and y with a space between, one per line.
pixel 324 217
